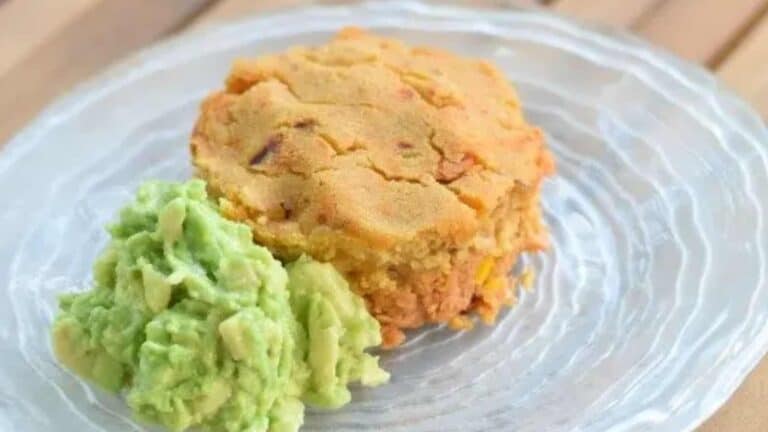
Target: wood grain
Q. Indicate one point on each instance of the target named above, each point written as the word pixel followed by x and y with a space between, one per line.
pixel 745 412
pixel 24 25
pixel 746 71
pixel 102 34
pixel 618 13
pixel 699 30
pixel 227 9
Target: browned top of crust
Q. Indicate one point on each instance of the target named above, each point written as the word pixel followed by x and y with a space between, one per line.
pixel 366 139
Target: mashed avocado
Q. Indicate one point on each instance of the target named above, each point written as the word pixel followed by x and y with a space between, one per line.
pixel 200 326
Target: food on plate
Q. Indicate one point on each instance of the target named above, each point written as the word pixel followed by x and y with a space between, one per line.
pixel 410 169
pixel 396 186
pixel 200 326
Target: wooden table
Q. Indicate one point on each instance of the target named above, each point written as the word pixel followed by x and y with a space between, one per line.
pixel 46 46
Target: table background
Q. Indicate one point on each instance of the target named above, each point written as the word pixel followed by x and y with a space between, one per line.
pixel 46 46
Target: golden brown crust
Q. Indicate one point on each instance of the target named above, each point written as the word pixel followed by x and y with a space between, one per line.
pixel 381 158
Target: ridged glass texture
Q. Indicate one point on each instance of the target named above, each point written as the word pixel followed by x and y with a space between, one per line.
pixel 646 314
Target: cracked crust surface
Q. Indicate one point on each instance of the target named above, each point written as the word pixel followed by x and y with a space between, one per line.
pixel 404 166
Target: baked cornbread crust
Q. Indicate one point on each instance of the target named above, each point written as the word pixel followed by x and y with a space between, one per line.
pixel 411 169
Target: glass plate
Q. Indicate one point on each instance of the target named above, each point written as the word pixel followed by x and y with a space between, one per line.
pixel 646 315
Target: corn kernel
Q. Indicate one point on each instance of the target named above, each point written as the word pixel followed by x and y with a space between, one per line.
pixel 460 322
pixel 484 270
pixel 494 284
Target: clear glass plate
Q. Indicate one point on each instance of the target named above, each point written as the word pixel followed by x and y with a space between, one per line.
pixel 646 315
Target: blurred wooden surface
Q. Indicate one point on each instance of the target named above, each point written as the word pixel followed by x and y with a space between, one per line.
pixel 46 46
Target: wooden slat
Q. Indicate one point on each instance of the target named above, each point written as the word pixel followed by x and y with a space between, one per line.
pixel 746 71
pixel 24 25
pixel 745 411
pixel 101 35
pixel 699 30
pixel 229 9
pixel 619 13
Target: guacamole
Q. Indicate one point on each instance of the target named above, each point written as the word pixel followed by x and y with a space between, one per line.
pixel 200 326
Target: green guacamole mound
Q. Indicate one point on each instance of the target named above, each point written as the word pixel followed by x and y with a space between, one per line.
pixel 200 326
